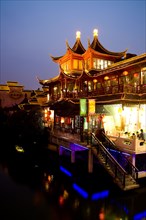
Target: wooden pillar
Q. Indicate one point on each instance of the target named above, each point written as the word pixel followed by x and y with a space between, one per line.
pixel 90 160
pixel 61 89
pixel 133 159
pixel 73 155
pixel 65 87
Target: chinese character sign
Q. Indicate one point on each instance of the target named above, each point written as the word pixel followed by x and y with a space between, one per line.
pixel 91 106
pixel 83 107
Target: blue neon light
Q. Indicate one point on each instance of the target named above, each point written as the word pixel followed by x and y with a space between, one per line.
pixel 140 216
pixel 65 148
pixel 81 146
pixel 83 193
pixel 65 171
pixel 100 195
pixel 118 152
pixel 78 146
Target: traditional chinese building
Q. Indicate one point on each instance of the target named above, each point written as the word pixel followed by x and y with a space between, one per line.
pixel 13 96
pixel 99 89
pixel 110 85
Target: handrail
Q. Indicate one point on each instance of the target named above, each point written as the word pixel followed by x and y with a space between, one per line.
pixel 114 89
pixel 108 153
pixel 59 140
pixel 115 167
pixel 130 168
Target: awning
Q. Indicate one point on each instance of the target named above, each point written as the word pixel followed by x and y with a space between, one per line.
pixel 101 110
pixel 121 98
pixel 66 107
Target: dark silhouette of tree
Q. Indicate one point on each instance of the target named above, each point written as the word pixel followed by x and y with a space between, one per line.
pixel 5 140
pixel 25 129
pixel 26 126
pixel 3 124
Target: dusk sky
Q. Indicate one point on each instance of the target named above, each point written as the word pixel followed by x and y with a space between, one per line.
pixel 31 31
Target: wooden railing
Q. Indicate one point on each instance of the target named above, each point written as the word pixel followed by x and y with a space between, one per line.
pixel 59 141
pixel 110 163
pixel 129 88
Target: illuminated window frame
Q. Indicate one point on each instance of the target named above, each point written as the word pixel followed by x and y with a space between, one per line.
pixel 77 64
pixel 143 75
pixel 101 64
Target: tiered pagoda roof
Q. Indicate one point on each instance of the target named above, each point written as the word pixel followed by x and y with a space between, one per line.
pixel 121 59
pixel 77 48
pixel 114 67
pixel 97 46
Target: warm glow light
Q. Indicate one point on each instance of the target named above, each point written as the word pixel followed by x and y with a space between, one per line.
pixel 78 35
pixel 136 75
pixel 65 194
pixel 62 120
pixel 119 110
pixel 48 97
pixel 19 149
pixel 125 73
pixel 50 178
pixel 106 78
pixel 95 32
pixel 52 114
pixel 95 80
pixel 61 200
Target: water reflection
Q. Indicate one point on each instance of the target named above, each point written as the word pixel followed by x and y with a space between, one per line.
pixel 107 203
pixel 54 189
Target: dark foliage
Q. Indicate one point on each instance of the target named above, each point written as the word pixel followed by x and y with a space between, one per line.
pixel 23 128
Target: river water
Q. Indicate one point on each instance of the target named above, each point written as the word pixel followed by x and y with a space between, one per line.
pixel 49 187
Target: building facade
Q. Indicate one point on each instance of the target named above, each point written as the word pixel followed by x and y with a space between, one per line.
pixel 13 96
pixel 109 87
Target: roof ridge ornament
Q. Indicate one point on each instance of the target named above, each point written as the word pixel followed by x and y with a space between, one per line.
pixel 67 44
pixel 78 35
pixel 95 33
pixel 88 42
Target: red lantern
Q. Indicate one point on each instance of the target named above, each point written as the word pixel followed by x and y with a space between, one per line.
pixel 57 119
pixel 68 121
pixel 135 75
pixel 88 119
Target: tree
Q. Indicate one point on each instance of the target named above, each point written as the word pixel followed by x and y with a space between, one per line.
pixel 27 128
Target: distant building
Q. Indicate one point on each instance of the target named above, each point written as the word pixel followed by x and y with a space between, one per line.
pixel 13 96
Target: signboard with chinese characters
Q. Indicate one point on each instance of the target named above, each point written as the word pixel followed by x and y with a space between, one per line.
pixel 83 107
pixel 91 106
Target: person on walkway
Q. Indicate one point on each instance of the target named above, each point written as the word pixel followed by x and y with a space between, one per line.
pixel 141 135
pixel 137 134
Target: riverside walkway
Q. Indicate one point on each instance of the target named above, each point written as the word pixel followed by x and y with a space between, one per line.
pixel 125 179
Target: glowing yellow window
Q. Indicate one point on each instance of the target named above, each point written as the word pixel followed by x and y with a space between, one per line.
pixel 75 64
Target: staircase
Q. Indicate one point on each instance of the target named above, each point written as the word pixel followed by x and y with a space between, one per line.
pixel 126 179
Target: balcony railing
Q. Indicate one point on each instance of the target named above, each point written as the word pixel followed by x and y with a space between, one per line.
pixel 129 88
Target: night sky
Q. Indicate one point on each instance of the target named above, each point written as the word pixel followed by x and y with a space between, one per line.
pixel 31 31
